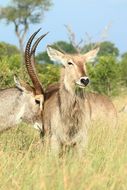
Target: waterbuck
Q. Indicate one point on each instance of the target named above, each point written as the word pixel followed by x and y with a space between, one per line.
pixel 22 103
pixel 68 110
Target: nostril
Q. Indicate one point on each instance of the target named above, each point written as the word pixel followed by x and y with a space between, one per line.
pixel 84 81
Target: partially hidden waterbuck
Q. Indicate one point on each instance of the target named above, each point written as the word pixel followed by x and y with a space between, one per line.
pixel 22 103
pixel 68 110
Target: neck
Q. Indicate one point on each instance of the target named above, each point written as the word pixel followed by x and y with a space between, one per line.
pixel 69 99
pixel 71 106
pixel 69 87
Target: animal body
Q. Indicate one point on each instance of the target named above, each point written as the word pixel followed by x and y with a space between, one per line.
pixel 68 110
pixel 18 105
pixel 22 103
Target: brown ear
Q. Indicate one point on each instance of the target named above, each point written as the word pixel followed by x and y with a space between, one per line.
pixel 91 55
pixel 20 84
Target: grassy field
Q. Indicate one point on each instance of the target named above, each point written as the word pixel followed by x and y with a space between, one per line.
pixel 26 165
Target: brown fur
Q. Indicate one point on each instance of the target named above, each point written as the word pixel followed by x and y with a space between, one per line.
pixel 69 112
pixel 18 105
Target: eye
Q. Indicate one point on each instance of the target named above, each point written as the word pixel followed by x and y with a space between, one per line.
pixel 70 63
pixel 37 102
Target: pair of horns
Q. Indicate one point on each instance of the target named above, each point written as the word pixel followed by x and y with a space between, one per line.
pixel 30 61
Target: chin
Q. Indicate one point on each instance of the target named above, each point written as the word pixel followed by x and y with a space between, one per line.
pixel 78 85
pixel 81 86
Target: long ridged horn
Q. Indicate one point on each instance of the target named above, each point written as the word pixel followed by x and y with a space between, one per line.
pixel 32 72
pixel 33 49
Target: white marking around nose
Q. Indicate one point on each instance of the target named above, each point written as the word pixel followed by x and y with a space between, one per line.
pixel 84 78
pixel 79 81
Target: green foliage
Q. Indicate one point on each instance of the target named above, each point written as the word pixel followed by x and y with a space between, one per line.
pixel 9 66
pixel 123 68
pixel 124 56
pixel 105 75
pixel 48 73
pixel 106 48
pixel 64 47
pixel 43 58
pixel 7 49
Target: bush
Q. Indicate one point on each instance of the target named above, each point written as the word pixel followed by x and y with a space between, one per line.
pixel 48 73
pixel 105 75
pixel 9 66
pixel 123 67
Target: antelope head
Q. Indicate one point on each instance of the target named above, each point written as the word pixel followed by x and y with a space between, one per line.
pixel 74 67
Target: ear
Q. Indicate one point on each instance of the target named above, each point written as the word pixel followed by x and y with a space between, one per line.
pixel 91 55
pixel 23 86
pixel 18 84
pixel 55 55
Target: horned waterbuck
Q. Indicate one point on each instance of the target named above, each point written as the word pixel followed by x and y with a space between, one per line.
pixel 68 110
pixel 22 103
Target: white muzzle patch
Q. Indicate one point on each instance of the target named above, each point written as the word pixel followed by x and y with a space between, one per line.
pixel 83 82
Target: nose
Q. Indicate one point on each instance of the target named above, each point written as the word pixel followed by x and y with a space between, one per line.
pixel 84 81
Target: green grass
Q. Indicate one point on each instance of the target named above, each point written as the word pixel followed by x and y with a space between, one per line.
pixel 26 165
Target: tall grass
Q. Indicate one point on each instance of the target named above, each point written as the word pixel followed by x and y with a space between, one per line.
pixel 26 165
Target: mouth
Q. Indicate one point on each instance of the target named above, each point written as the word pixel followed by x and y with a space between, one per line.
pixel 80 85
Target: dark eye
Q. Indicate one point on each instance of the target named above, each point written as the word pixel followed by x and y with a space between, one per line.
pixel 37 102
pixel 70 63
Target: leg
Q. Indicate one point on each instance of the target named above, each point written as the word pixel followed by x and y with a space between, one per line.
pixel 55 145
pixel 81 143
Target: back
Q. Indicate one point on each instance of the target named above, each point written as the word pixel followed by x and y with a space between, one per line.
pixel 102 109
pixel 10 99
